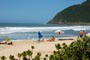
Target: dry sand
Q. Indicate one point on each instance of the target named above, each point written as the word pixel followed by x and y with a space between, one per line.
pixel 24 45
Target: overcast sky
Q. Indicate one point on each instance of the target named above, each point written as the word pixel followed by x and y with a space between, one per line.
pixel 32 11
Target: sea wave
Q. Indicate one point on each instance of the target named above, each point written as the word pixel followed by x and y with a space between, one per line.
pixel 7 30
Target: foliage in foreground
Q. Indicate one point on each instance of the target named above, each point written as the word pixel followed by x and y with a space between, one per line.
pixel 78 50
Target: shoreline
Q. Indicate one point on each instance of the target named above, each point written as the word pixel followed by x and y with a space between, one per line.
pixel 36 39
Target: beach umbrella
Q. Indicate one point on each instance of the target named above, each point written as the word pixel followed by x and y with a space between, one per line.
pixel 59 31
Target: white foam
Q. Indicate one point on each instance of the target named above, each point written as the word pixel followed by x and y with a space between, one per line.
pixel 7 30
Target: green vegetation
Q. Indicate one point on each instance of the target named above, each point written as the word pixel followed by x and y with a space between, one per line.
pixel 19 56
pixel 3 58
pixel 58 46
pixel 11 57
pixel 77 50
pixel 77 14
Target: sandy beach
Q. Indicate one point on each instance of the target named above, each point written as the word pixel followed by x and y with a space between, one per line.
pixel 23 45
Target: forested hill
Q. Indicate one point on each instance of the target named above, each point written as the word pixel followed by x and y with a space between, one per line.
pixel 77 14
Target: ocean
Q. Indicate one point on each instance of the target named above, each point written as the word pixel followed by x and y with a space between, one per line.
pixel 28 31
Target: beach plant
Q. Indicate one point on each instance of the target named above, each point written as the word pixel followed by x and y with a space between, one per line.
pixel 46 57
pixel 51 57
pixel 54 52
pixel 64 45
pixel 37 57
pixel 78 50
pixel 58 46
pixel 24 55
pixel 11 57
pixel 3 58
pixel 39 54
pixel 29 53
pixel 32 47
pixel 19 56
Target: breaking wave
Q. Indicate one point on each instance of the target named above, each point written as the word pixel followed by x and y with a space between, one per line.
pixel 7 30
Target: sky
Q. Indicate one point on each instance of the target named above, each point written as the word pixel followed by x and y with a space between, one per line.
pixel 32 11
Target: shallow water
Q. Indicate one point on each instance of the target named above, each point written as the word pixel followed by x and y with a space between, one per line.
pixel 29 31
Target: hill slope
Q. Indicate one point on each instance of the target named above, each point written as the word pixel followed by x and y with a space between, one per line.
pixel 77 14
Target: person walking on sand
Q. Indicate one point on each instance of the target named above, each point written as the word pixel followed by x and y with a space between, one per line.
pixel 39 35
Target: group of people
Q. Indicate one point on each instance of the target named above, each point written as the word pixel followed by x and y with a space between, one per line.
pixel 82 34
pixel 40 37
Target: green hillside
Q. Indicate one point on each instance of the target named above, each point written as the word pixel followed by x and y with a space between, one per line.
pixel 77 14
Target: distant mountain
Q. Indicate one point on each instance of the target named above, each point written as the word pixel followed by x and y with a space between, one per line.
pixel 77 14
